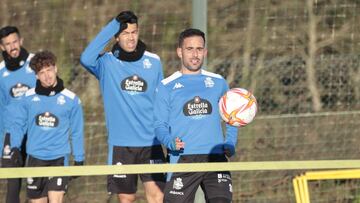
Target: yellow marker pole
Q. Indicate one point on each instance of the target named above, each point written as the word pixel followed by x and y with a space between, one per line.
pixel 306 190
pixel 333 174
pixel 296 189
pixel 302 189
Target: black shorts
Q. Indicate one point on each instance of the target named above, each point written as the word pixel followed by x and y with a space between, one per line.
pixel 182 186
pixel 39 187
pixel 127 183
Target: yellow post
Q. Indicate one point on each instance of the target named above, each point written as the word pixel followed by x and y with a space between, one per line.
pixel 296 189
pixel 305 190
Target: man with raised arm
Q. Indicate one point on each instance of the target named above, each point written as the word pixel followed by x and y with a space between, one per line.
pixel 128 76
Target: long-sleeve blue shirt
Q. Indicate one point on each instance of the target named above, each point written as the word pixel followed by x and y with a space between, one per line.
pixel 186 106
pixel 50 123
pixel 13 85
pixel 128 90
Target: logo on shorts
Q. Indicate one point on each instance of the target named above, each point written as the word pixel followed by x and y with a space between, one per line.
pixel 59 181
pixel 223 177
pixel 134 85
pixel 47 119
pixel 178 184
pixel 156 161
pixel 18 90
pixel 230 188
pixel 29 181
pixel 119 175
pixel 197 108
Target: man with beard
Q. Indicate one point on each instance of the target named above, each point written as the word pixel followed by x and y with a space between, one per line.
pixel 188 122
pixel 52 117
pixel 16 77
pixel 128 76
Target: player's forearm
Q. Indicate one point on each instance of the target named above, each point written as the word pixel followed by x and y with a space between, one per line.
pixel 91 53
pixel 78 145
pixel 231 134
pixel 163 135
pixel 15 138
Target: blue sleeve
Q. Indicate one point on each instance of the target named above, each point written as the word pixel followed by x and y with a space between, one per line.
pixel 162 112
pixel 231 135
pixel 160 75
pixel 2 133
pixel 231 131
pixel 16 122
pixel 77 131
pixel 91 55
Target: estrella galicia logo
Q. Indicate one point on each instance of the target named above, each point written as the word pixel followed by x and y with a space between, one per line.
pixel 47 119
pixel 18 90
pixel 197 108
pixel 134 84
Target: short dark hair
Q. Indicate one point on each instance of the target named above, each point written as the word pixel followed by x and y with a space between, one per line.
pixel 124 18
pixel 7 30
pixel 41 60
pixel 189 33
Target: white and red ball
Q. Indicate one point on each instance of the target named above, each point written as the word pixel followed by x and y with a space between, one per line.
pixel 238 107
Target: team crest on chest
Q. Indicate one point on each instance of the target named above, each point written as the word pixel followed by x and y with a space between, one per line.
pixel 60 100
pixel 147 64
pixel 209 82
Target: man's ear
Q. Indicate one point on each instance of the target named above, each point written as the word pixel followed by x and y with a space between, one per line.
pixel 179 53
pixel 205 52
pixel 117 38
pixel 21 41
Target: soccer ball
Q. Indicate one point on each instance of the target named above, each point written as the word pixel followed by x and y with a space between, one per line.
pixel 238 107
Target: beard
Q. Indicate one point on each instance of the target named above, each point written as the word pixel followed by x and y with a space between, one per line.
pixel 193 68
pixel 14 53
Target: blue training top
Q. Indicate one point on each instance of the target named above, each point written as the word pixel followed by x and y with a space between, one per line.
pixel 186 106
pixel 49 121
pixel 128 90
pixel 13 85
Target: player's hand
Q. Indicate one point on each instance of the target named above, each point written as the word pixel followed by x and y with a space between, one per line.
pixel 178 144
pixel 122 17
pixel 77 163
pixel 12 158
pixel 229 150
